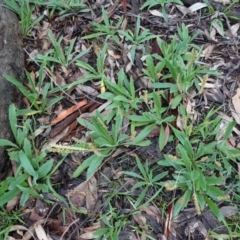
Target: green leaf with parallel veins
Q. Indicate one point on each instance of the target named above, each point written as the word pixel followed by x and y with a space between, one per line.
pixel 182 202
pixel 175 101
pixel 45 168
pixel 7 196
pixel 17 181
pixel 96 162
pixel 214 208
pixel 144 133
pixel 25 163
pixel 6 143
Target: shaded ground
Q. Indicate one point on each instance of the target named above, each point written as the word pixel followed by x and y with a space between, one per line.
pixel 108 200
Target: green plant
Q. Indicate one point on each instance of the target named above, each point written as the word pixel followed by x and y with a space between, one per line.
pixel 36 93
pixel 113 222
pixel 93 74
pixel 152 3
pixel 228 11
pixel 57 55
pixel 199 172
pixel 209 126
pixel 136 38
pixel 217 23
pixel 24 10
pixel 107 29
pixel 157 115
pixel 122 95
pixel 64 8
pixel 210 9
pixel 104 142
pixel 32 166
pixel 7 220
pixel 145 180
pixel 179 61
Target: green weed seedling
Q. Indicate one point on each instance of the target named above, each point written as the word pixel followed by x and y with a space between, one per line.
pixel 36 93
pixel 7 220
pixel 106 29
pixel 121 94
pixel 107 141
pixel 145 180
pixel 155 116
pixel 30 164
pixel 24 10
pixel 113 222
pixel 104 142
pixel 179 59
pixel 57 55
pixel 136 38
pixel 92 73
pixel 208 128
pixel 153 71
pixel 64 8
pixel 152 3
pixel 199 172
pixel 67 7
pixel 228 10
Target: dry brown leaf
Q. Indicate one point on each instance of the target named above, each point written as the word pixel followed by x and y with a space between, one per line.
pixel 46 44
pixel 224 2
pixel 197 6
pixel 43 30
pixel 196 225
pixel 140 219
pixel 181 122
pixel 118 173
pixel 233 30
pixel 56 225
pixel 78 194
pixel 17 227
pixel 53 141
pixel 222 129
pixel 59 79
pixel 92 194
pixel 184 10
pixel 69 111
pixel 155 132
pixel 213 35
pixel 87 89
pixel 110 11
pixel 33 55
pixel 156 13
pixel 41 234
pixel 11 238
pixel 100 109
pixel 124 24
pixel 29 232
pixel 189 104
pixel 128 67
pixel 114 54
pixel 208 51
pixel 87 235
pixel 229 211
pixel 153 212
pixel 13 202
pixel 92 228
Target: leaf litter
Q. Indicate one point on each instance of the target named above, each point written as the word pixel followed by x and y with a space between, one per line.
pixel 107 198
